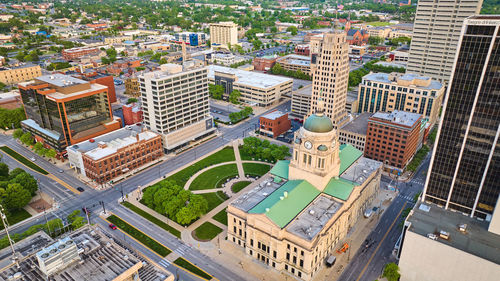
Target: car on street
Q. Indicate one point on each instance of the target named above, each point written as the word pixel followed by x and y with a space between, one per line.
pixel 80 189
pixel 60 171
pixel 112 226
pixel 32 159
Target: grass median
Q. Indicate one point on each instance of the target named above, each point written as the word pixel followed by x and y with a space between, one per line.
pixel 192 268
pixel 152 219
pixel 23 160
pixel 141 237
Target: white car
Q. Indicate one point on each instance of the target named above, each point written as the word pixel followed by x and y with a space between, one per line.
pixel 432 236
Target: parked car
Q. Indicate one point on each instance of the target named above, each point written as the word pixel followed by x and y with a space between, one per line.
pixel 80 189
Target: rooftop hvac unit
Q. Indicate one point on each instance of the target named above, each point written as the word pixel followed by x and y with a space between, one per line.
pixel 57 256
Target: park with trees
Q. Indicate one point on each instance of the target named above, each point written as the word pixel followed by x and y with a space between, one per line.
pixel 236 117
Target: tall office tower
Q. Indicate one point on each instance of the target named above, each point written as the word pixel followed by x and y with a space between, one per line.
pixel 175 103
pixel 330 70
pixel 435 36
pixel 223 33
pixel 465 164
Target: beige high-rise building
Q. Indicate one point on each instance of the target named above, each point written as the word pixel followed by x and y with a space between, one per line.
pixel 330 70
pixel 175 103
pixel 436 32
pixel 223 33
pixel 21 73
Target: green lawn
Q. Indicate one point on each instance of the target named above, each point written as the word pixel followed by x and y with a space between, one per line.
pixel 214 178
pixel 256 169
pixel 221 216
pixel 16 216
pixel 152 219
pixel 214 199
pixel 141 237
pixel 224 155
pixel 207 231
pixel 379 23
pixel 192 268
pixel 23 160
pixel 238 186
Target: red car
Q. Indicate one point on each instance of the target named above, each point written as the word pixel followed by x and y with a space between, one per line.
pixel 112 226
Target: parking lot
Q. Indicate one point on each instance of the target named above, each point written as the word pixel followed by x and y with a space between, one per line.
pixel 288 136
pixel 221 112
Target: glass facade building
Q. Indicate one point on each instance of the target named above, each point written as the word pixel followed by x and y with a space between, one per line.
pixel 465 166
pixel 62 110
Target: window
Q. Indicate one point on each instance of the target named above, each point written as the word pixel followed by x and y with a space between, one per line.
pixel 274 254
pixel 287 256
pixel 251 242
pixel 301 263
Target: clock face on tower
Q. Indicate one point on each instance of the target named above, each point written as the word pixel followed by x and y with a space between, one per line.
pixel 308 145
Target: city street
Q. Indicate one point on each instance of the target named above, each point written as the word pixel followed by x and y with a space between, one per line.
pixel 368 263
pixel 90 198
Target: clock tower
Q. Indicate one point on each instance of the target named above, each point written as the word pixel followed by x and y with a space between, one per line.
pixel 315 155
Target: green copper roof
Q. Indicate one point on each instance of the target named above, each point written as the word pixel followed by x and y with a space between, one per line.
pixel 281 212
pixel 318 124
pixel 281 169
pixel 339 188
pixel 348 154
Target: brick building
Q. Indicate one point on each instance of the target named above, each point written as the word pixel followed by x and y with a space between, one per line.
pixel 132 114
pixel 132 86
pixel 113 154
pixel 274 123
pixel 264 63
pixel 357 37
pixel 75 53
pixel 102 79
pixel 302 50
pixel 393 138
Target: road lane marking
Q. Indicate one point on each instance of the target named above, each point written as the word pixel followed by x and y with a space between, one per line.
pixel 163 246
pixel 64 184
pixel 380 243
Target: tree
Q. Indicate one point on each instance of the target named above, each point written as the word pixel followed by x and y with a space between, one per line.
pixel 51 153
pixel 38 147
pixel 234 96
pixel 26 138
pixel 4 171
pixel 292 29
pixel 17 133
pixel 131 100
pixel 16 197
pixel 27 181
pixel 216 91
pixel 76 220
pixel 15 172
pixel 375 40
pixel 391 272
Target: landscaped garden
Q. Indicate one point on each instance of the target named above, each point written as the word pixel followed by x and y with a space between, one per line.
pixel 224 155
pixel 141 237
pixel 256 169
pixel 214 199
pixel 214 178
pixel 221 216
pixel 206 232
pixel 256 149
pixel 238 186
pixel 171 200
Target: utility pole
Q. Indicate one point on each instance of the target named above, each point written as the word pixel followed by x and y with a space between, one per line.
pixel 87 214
pixel 103 208
pixel 6 226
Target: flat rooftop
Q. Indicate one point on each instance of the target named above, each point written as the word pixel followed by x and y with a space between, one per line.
pixel 101 258
pixel 359 125
pixel 250 199
pixel 115 145
pixel 273 115
pixel 398 117
pixel 304 91
pixel 312 220
pixel 122 133
pixel 60 80
pixel 384 78
pixel 249 78
pixel 360 170
pixel 477 240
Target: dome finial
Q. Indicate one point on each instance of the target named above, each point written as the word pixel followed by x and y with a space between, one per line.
pixel 320 108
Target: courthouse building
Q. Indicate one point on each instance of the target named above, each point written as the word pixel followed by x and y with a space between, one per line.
pixel 299 216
